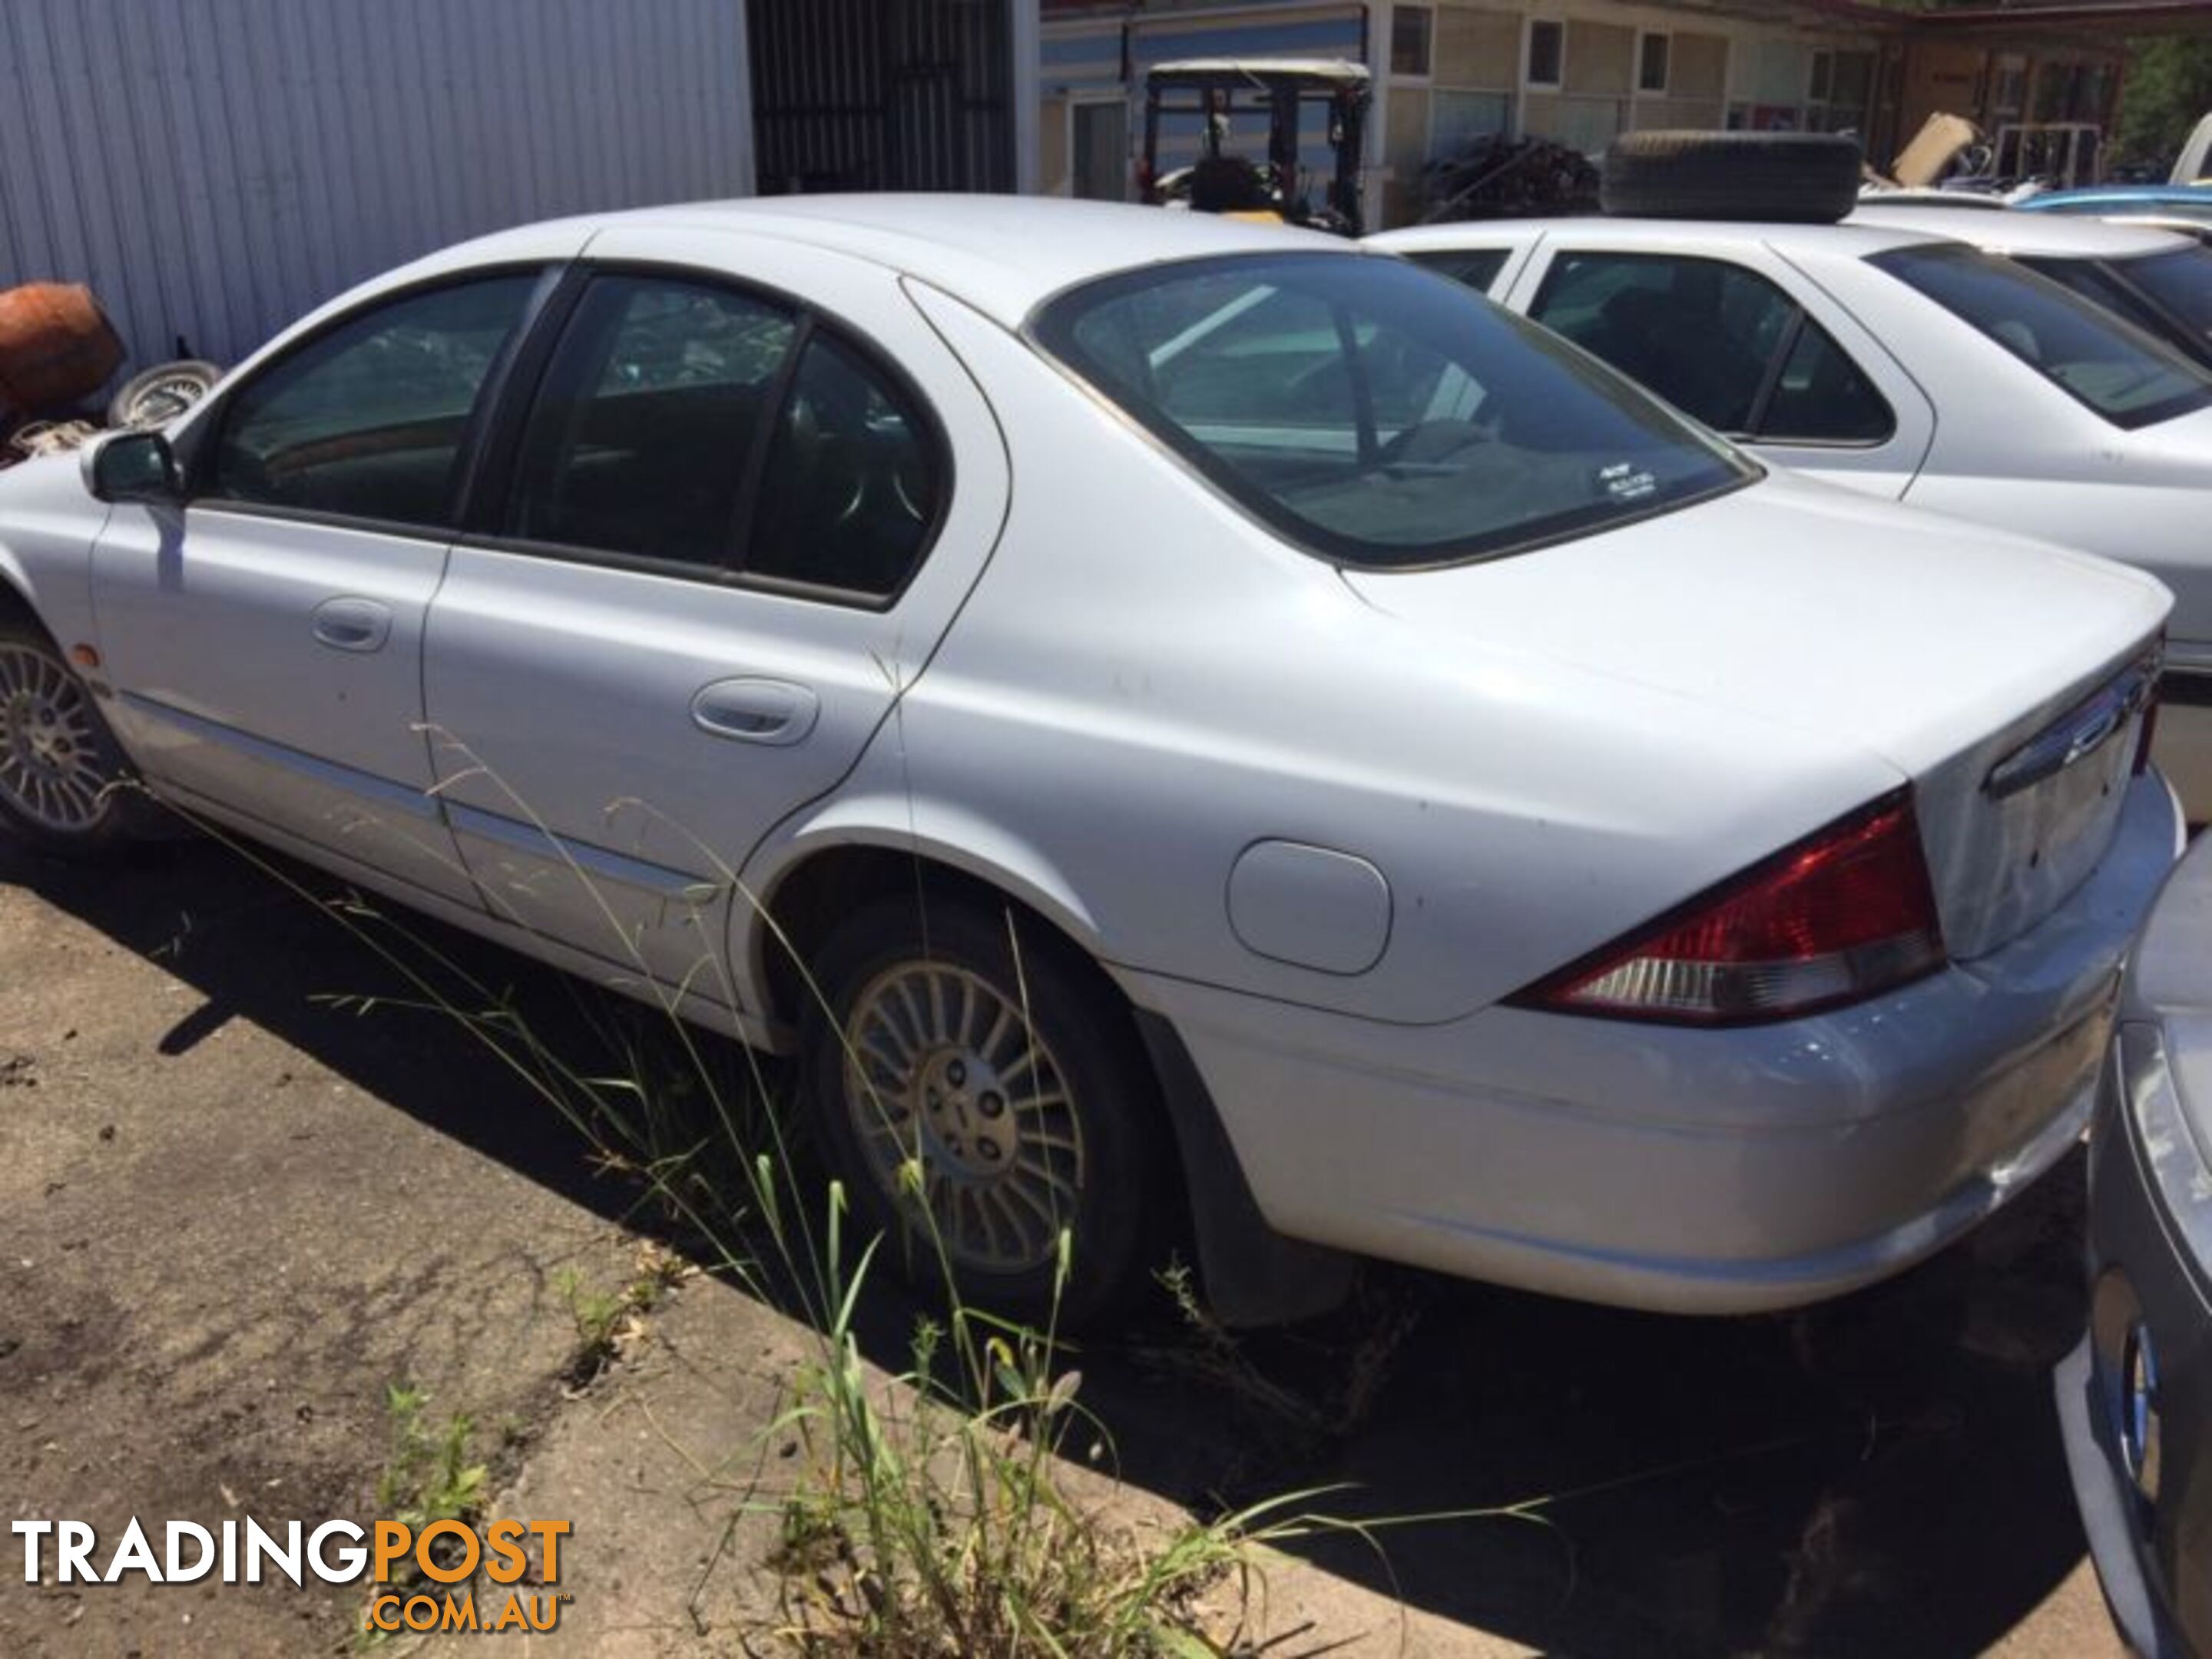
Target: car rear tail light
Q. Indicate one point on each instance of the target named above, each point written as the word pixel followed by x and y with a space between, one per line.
pixel 1840 916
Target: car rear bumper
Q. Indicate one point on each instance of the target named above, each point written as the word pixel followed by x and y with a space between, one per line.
pixel 1683 1170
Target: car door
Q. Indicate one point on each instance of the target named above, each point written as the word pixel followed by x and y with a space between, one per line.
pixel 264 639
pixel 732 524
pixel 1745 344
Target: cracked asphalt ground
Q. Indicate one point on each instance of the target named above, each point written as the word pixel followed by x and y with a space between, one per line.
pixel 232 1212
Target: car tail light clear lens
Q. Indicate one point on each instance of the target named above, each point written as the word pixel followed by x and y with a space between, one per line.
pixel 1841 916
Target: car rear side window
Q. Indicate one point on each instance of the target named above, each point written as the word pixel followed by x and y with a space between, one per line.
pixel 2100 286
pixel 853 484
pixel 640 439
pixel 1478 267
pixel 1376 413
pixel 369 419
pixel 2101 361
pixel 1719 341
pixel 2180 281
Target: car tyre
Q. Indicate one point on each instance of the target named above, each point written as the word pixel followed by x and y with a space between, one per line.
pixel 969 1051
pixel 1793 177
pixel 157 396
pixel 66 789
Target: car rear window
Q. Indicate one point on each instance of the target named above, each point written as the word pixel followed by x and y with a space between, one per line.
pixel 2106 364
pixel 1377 414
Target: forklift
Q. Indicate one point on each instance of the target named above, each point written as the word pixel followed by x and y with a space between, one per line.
pixel 1216 90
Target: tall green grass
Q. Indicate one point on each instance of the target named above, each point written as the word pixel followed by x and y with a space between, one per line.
pixel 937 1510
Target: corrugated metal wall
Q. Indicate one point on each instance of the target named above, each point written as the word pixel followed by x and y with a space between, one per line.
pixel 883 95
pixel 215 167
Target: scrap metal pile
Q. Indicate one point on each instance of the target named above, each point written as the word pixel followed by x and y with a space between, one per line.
pixel 58 349
pixel 1495 177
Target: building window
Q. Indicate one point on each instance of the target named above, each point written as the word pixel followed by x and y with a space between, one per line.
pixel 1651 63
pixel 1409 39
pixel 2008 85
pixel 1548 51
pixel 1099 144
pixel 1841 92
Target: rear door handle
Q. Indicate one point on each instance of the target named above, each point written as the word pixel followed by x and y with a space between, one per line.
pixel 776 712
pixel 348 624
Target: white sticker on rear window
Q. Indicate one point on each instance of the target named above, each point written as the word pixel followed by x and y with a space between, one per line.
pixel 1625 480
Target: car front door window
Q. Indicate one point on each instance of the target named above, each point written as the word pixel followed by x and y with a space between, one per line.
pixel 368 421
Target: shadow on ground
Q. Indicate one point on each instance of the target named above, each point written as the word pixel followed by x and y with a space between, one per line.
pixel 1883 1472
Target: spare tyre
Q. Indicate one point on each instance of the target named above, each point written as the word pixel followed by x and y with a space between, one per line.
pixel 1794 178
pixel 157 396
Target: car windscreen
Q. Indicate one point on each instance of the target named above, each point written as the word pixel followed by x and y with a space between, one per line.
pixel 1377 414
pixel 2102 362
pixel 2180 281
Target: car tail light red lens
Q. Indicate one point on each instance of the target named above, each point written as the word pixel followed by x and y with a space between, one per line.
pixel 1840 916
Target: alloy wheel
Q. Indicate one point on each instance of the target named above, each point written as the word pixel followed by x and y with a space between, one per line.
pixel 947 1079
pixel 54 769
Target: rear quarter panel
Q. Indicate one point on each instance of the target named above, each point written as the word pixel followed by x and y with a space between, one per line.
pixel 1144 684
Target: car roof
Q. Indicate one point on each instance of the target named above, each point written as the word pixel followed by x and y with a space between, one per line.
pixel 1851 240
pixel 1002 254
pixel 2050 235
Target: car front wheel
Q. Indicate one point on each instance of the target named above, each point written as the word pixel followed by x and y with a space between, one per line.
pixel 65 788
pixel 980 1088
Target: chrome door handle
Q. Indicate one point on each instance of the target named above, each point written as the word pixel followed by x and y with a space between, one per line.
pixel 347 624
pixel 776 712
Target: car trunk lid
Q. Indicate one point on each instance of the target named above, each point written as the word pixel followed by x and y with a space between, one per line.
pixel 1951 651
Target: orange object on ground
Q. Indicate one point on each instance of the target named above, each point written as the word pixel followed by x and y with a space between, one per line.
pixel 56 345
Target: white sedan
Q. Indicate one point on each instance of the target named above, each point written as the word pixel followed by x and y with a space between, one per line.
pixel 1884 355
pixel 1447 806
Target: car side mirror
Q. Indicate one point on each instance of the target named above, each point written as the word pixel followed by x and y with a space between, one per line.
pixel 133 466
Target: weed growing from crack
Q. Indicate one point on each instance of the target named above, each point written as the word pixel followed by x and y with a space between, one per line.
pixel 428 1474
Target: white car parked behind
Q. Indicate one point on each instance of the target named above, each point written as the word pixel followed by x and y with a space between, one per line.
pixel 1449 807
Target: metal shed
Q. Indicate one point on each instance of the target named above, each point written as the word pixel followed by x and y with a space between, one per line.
pixel 213 168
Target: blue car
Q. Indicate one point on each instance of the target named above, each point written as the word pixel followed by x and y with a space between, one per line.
pixel 2186 208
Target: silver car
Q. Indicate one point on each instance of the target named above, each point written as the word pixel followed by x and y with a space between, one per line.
pixel 1174 722
pixel 2135 1399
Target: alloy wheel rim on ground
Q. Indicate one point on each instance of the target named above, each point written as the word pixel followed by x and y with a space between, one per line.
pixel 945 1069
pixel 52 766
pixel 163 401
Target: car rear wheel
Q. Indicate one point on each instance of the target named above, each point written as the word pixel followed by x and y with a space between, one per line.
pixel 65 788
pixel 980 1087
